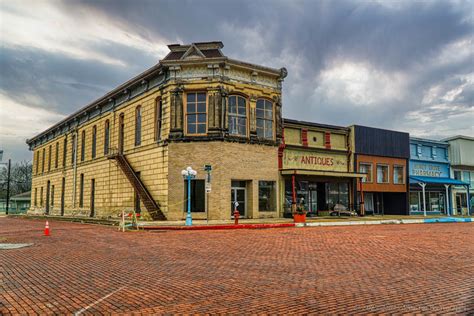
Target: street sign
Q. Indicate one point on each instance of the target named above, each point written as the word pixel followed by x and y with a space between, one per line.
pixel 208 187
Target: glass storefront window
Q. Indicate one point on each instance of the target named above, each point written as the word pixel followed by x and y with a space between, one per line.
pixel 382 174
pixel 434 202
pixel 266 196
pixel 367 169
pixel 415 202
pixel 338 193
pixel 398 177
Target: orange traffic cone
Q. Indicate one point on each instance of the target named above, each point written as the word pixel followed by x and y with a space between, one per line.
pixel 46 229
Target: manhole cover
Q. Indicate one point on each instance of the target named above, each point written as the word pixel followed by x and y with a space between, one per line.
pixel 13 246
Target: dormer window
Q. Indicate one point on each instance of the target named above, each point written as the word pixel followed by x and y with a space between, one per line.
pixel 237 115
pixel 196 113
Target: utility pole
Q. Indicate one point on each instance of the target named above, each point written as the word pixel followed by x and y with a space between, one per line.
pixel 8 185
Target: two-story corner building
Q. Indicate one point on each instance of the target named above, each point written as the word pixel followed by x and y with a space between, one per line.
pixel 461 156
pixel 382 155
pixel 126 150
pixel 316 168
pixel 430 181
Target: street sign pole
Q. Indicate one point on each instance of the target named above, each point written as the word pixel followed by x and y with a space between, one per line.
pixel 208 169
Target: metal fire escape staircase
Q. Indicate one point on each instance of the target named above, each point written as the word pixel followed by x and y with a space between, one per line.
pixel 151 205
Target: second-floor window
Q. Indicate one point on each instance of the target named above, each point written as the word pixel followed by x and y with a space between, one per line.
pixel 83 145
pixel 158 115
pixel 37 161
pixel 138 125
pixel 56 160
pixel 94 141
pixel 398 177
pixel 64 152
pixel 49 157
pixel 106 137
pixel 367 169
pixel 196 113
pixel 42 160
pixel 237 115
pixel 382 174
pixel 73 149
pixel 264 118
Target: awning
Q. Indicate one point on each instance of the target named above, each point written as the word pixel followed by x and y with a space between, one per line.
pixel 432 180
pixel 323 173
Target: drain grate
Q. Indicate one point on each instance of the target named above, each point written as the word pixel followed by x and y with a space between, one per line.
pixel 13 246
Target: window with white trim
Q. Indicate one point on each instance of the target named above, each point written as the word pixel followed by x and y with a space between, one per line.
pixel 237 114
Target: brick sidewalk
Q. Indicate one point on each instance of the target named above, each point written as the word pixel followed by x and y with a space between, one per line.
pixel 425 268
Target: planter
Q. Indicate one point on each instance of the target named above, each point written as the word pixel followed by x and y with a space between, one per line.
pixel 299 218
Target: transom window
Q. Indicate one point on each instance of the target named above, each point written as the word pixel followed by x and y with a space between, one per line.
pixel 237 115
pixel 264 118
pixel 196 114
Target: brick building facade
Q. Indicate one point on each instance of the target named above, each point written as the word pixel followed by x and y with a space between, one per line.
pixel 126 150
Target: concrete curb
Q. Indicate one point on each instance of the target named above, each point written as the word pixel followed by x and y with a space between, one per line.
pixel 219 227
pixel 390 221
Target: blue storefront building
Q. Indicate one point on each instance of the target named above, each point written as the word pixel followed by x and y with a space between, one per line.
pixel 430 181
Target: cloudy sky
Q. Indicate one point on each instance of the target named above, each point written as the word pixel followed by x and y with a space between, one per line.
pixel 404 65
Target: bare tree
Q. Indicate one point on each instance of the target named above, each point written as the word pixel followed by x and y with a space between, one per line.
pixel 20 178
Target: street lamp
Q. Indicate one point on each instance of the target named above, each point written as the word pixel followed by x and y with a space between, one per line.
pixel 8 179
pixel 189 174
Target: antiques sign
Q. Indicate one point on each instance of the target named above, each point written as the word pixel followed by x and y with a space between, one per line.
pixel 300 159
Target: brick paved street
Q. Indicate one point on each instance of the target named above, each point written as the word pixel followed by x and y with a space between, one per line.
pixel 427 268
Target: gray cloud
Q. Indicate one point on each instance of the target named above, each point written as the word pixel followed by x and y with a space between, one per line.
pixel 401 54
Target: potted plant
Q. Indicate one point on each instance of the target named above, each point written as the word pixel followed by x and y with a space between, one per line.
pixel 299 215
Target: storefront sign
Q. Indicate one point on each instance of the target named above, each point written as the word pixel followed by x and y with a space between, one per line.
pixel 300 159
pixel 427 169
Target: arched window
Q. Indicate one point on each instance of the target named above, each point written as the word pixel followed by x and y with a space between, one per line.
pixel 138 125
pixel 106 137
pixel 94 141
pixel 264 119
pixel 83 145
pixel 237 115
pixel 158 116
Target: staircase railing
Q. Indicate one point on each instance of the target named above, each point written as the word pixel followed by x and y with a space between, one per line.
pixel 152 207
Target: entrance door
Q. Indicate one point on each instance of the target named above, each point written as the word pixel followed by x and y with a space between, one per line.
pixel 47 197
pixel 313 200
pixel 92 198
pixel 369 202
pixel 239 195
pixel 121 133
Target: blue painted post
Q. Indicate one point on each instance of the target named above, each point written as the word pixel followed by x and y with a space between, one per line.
pixel 189 219
pixel 468 200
